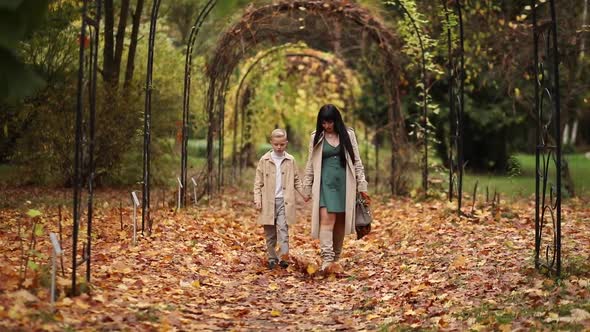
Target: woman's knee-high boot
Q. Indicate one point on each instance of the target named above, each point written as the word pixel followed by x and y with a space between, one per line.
pixel 338 239
pixel 326 247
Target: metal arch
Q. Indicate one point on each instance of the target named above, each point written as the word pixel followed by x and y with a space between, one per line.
pixel 451 93
pixel 548 144
pixel 78 159
pixel 239 90
pixel 249 114
pixel 145 208
pixel 424 99
pixel 203 14
pixel 221 124
pixel 456 76
pixel 459 113
pixel 92 124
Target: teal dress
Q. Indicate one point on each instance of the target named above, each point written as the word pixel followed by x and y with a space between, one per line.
pixel 333 179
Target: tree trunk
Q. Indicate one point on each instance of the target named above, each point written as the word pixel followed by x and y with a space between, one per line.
pixel 119 41
pixel 109 23
pixel 133 44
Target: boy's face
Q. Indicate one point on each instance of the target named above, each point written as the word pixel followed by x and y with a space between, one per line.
pixel 279 144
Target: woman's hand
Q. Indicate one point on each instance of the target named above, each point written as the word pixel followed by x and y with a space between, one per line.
pixel 366 197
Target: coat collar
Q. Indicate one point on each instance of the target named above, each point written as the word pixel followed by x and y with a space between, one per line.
pixel 267 156
pixel 349 130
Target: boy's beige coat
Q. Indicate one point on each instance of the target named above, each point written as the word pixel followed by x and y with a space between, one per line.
pixel 265 185
pixel 355 182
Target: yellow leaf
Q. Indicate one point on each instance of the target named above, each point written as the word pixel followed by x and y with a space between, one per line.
pixel 63 282
pixel 410 313
pixel 311 269
pixel 165 327
pixel 65 302
pixel 196 284
pixel 417 288
pixel 275 313
pixel 273 286
pixel 459 262
pixel 81 304
pixel 221 315
pixel 477 327
pixel 99 298
pixel 505 327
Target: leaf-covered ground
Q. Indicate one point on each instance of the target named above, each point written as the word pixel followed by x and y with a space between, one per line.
pixel 203 269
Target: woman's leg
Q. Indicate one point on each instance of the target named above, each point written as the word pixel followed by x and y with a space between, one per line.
pixel 338 234
pixel 327 221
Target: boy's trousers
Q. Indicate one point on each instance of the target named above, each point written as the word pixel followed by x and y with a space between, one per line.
pixel 280 229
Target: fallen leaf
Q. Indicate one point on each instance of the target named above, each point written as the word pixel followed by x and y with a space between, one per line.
pixel 459 262
pixel 576 316
pixel 221 315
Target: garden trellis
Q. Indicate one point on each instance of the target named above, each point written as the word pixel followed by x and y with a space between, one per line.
pixel 280 23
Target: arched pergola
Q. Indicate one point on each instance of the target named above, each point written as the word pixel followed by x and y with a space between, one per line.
pixel 268 28
pixel 289 51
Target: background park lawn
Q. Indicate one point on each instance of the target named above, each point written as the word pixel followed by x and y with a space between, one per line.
pixel 522 182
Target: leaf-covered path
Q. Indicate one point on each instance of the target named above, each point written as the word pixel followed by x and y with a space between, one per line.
pixel 203 269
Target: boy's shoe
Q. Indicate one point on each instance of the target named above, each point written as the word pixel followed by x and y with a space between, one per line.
pixel 271 264
pixel 284 264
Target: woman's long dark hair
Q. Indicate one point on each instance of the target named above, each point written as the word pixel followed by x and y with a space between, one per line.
pixel 330 112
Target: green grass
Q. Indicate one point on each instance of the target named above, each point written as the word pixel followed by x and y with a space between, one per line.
pixel 522 183
pixel 7 174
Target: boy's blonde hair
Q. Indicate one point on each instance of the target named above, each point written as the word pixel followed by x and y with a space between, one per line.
pixel 278 133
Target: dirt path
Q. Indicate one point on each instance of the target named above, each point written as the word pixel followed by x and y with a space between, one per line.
pixel 203 269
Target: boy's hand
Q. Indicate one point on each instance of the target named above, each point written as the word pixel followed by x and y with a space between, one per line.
pixel 258 205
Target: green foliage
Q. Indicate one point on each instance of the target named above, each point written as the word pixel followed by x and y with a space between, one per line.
pixel 289 93
pixel 44 139
pixel 33 213
pixel 18 18
pixel 125 125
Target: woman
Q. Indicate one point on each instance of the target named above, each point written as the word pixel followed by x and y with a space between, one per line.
pixel 333 176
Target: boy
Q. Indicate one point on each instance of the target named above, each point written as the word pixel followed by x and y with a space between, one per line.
pixel 274 196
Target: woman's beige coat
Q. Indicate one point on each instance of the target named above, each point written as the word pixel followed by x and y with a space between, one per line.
pixel 355 182
pixel 265 185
